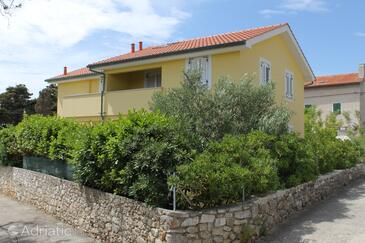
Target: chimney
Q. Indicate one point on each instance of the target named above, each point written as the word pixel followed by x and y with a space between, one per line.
pixel 140 45
pixel 133 48
pixel 362 71
pixel 65 70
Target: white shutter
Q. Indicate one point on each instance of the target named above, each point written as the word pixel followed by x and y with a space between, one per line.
pixel 265 72
pixel 200 64
pixel 289 83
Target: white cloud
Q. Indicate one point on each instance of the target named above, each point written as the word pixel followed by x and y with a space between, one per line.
pixel 270 12
pixel 360 34
pixel 295 6
pixel 35 40
pixel 305 5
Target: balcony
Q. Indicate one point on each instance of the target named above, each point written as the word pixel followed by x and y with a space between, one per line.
pixel 119 102
pixel 115 103
pixel 83 105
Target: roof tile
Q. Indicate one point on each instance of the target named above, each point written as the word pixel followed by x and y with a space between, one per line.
pixel 338 79
pixel 180 46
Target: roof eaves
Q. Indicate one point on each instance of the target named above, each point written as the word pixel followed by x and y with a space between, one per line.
pixel 97 65
pixel 50 80
pixel 329 84
pixel 302 52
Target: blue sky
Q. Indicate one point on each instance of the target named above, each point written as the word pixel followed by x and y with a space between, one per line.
pixel 43 36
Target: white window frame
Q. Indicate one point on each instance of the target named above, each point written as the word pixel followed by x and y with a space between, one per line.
pixel 268 63
pixel 155 84
pixel 209 67
pixel 287 72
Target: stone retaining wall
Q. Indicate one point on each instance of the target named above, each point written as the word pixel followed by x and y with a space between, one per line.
pixel 112 218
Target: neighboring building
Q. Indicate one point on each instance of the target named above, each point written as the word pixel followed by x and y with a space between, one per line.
pixel 338 93
pixel 272 53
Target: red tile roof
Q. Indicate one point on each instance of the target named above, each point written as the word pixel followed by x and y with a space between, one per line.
pixel 216 41
pixel 331 80
pixel 191 45
pixel 76 73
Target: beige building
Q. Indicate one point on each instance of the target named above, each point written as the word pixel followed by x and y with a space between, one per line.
pixel 341 93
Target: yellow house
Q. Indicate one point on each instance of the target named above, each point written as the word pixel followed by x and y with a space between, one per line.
pixel 113 86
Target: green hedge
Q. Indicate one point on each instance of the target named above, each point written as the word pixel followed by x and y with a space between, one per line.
pixel 222 172
pixel 133 156
pixel 49 137
pixel 259 163
pixel 9 152
pixel 143 154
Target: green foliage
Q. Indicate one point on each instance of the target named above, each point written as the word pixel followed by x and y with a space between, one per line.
pixel 14 102
pixel 49 137
pixel 329 153
pixel 247 234
pixel 230 108
pixel 143 154
pixel 9 154
pixel 296 163
pixel 219 175
pixel 133 156
pixel 46 103
pixel 260 162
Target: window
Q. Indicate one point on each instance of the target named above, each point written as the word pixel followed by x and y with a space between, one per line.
pixel 202 65
pixel 265 72
pixel 289 81
pixel 336 108
pixel 307 106
pixel 152 79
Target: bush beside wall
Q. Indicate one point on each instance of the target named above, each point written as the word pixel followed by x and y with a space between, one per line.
pixel 111 218
pixel 137 155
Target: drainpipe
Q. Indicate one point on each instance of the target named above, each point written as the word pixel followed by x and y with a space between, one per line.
pixel 102 92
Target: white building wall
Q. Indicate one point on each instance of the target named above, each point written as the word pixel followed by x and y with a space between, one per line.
pixel 324 97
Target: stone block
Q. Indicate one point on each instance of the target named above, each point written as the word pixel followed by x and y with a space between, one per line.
pixel 207 218
pixel 220 222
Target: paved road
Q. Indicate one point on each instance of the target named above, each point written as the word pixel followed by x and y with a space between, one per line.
pixel 26 224
pixel 340 219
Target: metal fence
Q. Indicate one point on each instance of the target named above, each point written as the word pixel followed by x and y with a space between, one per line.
pixel 55 168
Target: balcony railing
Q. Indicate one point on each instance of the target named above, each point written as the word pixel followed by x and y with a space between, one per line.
pixel 84 105
pixel 115 103
pixel 119 102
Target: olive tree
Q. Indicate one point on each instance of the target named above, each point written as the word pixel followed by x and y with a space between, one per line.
pixel 228 108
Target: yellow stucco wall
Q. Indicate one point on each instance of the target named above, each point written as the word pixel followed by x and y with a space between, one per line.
pixel 88 86
pixel 234 64
pixel 276 51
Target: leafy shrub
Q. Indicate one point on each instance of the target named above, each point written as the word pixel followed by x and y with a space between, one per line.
pixel 132 156
pixel 9 154
pixel 329 153
pixel 293 156
pixel 296 163
pixel 230 108
pixel 49 137
pixel 219 175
